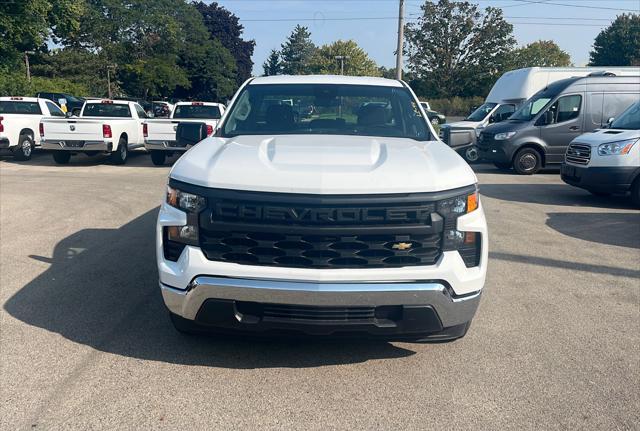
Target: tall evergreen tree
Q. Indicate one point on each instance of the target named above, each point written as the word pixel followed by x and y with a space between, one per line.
pixel 297 52
pixel 272 65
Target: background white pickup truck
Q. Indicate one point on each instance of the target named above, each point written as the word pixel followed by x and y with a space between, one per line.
pixel 104 126
pixel 160 135
pixel 19 120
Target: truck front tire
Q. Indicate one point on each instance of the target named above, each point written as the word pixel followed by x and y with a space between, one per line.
pixel 24 149
pixel 527 161
pixel 119 156
pixel 61 157
pixel 158 157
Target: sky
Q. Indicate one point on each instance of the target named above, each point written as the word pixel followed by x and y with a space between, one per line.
pixel 572 24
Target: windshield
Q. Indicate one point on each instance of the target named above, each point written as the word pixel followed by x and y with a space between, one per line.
pixel 106 110
pixel 629 119
pixel 531 107
pixel 481 112
pixel 326 109
pixel 197 111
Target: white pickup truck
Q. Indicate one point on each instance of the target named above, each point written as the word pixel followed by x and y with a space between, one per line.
pixel 19 120
pixel 104 126
pixel 160 135
pixel 353 221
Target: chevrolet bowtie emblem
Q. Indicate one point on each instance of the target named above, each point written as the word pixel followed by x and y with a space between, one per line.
pixel 401 246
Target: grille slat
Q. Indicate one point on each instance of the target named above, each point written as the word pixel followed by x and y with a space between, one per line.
pixel 579 154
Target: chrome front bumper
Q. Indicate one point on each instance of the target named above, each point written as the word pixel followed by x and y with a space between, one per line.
pixel 164 146
pixel 88 146
pixel 451 310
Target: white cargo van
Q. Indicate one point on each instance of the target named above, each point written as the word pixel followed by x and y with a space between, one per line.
pixel 509 92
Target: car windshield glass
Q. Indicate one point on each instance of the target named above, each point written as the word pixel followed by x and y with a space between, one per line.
pixel 629 119
pixel 11 107
pixel 365 110
pixel 481 112
pixel 531 107
pixel 197 111
pixel 106 110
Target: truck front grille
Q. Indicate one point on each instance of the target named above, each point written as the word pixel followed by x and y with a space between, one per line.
pixel 312 231
pixel 313 250
pixel 579 154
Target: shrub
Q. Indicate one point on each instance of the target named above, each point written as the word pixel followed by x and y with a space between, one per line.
pixel 16 84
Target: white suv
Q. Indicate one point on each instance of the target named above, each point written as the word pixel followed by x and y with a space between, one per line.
pixel 323 205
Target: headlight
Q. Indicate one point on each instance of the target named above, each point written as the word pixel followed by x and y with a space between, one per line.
pixel 185 201
pixel 459 205
pixel 468 244
pixel 177 237
pixel 616 148
pixel 479 130
pixel 504 136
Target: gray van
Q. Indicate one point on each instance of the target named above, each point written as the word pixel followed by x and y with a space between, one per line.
pixel 538 133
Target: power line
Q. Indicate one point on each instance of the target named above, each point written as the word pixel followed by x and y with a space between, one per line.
pixel 545 2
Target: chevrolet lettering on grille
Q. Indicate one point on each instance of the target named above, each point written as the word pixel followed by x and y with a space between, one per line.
pixel 256 212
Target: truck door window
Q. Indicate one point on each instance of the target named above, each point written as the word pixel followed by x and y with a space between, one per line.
pixel 54 110
pixel 502 113
pixel 564 109
pixel 140 112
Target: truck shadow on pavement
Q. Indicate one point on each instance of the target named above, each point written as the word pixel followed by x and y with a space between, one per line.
pixel 620 229
pixel 101 290
pixel 552 194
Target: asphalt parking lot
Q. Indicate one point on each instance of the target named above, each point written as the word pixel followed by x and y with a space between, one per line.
pixel 86 342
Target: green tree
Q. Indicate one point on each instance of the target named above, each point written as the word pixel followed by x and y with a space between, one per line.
pixel 357 62
pixel 297 51
pixel 455 49
pixel 272 65
pixel 27 25
pixel 543 53
pixel 225 27
pixel 618 44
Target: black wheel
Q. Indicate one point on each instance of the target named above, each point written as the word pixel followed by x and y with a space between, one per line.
pixel 527 161
pixel 471 154
pixel 502 166
pixel 635 192
pixel 119 156
pixel 61 157
pixel 182 325
pixel 24 149
pixel 158 157
pixel 600 194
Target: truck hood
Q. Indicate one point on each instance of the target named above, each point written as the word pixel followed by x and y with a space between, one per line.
pixel 463 124
pixel 601 136
pixel 323 164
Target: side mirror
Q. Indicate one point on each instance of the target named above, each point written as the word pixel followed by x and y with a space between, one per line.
pixel 548 117
pixel 610 120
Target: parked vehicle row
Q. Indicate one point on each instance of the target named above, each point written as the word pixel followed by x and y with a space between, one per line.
pixel 507 95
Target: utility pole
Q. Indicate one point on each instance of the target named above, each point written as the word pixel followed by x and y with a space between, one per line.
pixel 342 58
pixel 26 63
pixel 110 95
pixel 400 40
